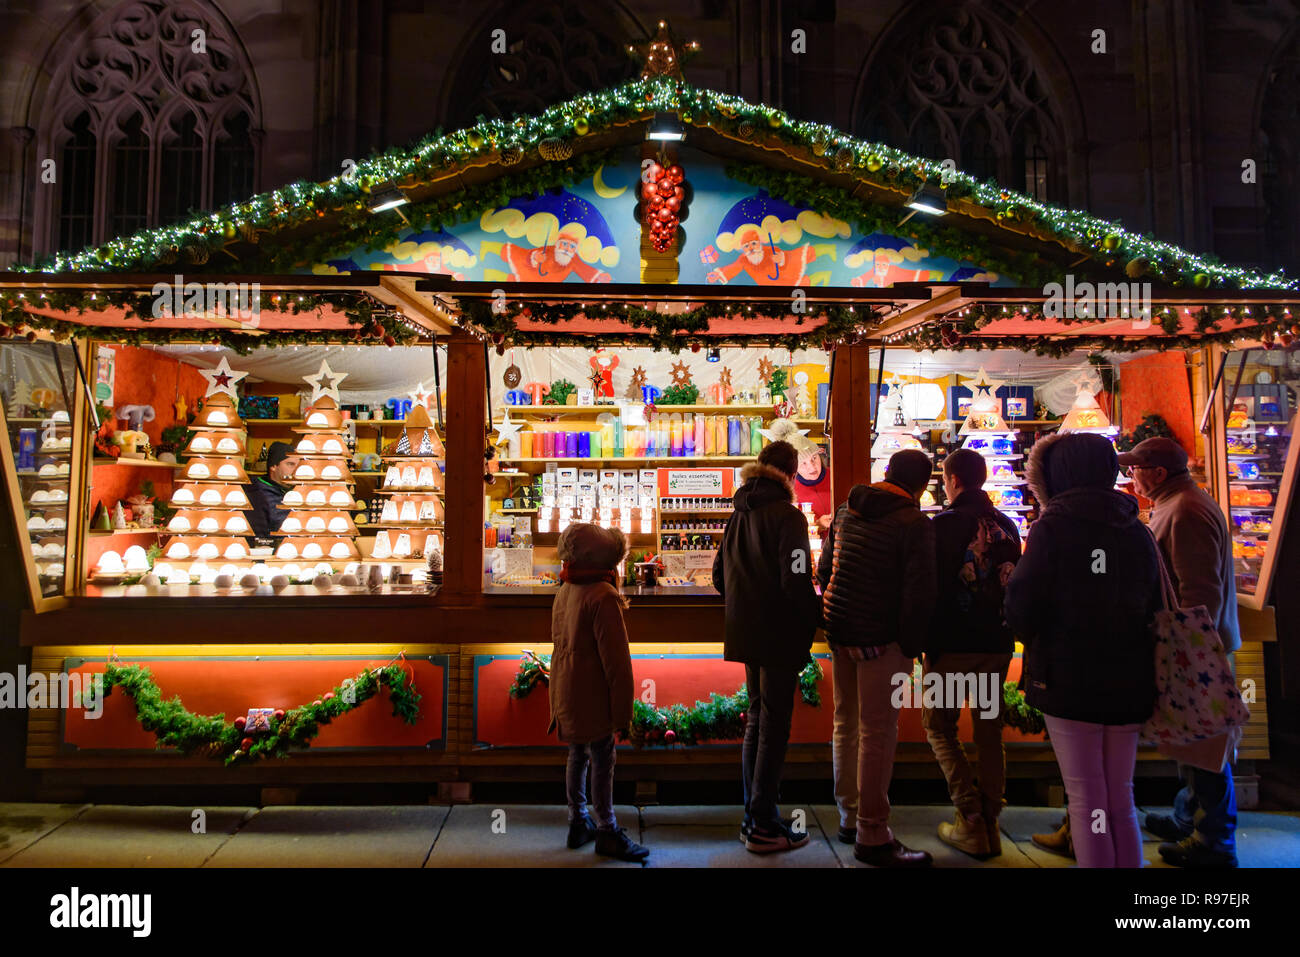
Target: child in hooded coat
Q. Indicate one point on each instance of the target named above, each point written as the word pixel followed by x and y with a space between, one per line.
pixel 591 690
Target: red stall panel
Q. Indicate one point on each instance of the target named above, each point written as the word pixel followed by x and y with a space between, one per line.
pixel 231 686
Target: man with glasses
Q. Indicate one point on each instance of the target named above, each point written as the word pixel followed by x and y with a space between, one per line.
pixel 1197 549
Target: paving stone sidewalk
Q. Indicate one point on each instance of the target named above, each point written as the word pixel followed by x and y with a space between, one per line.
pixel 481 835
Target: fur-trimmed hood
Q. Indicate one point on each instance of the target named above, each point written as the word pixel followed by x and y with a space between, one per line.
pixel 1075 473
pixel 763 485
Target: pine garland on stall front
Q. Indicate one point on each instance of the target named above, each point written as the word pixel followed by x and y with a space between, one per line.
pixel 212 736
pixel 721 718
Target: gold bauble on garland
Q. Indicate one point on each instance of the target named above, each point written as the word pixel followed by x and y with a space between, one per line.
pixel 874 162
pixel 555 149
pixel 581 126
pixel 475 139
pixel 1201 280
pixel 776 120
pixel 1111 242
pixel 229 231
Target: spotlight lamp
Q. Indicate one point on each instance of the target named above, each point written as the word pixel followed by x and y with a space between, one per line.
pixel 666 127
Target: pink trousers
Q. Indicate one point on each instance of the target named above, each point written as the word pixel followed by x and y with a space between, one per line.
pixel 1097 762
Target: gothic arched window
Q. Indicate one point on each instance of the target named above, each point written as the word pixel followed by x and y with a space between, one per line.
pixel 554 51
pixel 160 121
pixel 77 194
pixel 951 82
pixel 1278 153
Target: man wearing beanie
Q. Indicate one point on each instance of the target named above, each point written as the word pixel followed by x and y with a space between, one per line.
pixel 877 573
pixel 266 492
pixel 1197 549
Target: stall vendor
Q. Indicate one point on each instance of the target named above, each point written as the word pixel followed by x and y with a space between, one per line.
pixel 267 491
pixel 812 484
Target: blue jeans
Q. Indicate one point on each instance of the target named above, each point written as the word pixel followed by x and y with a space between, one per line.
pixel 599 756
pixel 1207 805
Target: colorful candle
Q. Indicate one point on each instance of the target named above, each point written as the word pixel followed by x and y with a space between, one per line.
pixel 675 434
pixel 733 436
pixel 755 435
pixel 571 444
pixel 526 444
pixel 583 446
pixel 701 443
pixel 688 434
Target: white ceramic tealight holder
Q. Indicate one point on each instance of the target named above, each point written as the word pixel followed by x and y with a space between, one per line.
pixel 291 525
pixel 135 559
pixel 408 513
pixel 312 551
pixel 389 514
pixel 340 498
pixel 315 525
pixel 340 550
pixel 393 478
pixel 338 525
pixel 236 551
pixel 426 477
pixel 210 496
pixel 292 497
pixel 383 548
pixel 316 497
pixel 110 563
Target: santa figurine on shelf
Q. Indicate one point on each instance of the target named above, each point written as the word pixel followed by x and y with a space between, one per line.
pixel 603 364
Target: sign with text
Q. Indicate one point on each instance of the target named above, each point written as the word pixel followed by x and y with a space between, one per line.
pixel 704 482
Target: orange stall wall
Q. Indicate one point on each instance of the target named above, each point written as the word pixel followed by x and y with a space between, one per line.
pixel 145 377
pixel 1158 384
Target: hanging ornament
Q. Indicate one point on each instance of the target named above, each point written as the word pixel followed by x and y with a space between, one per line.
pixel 681 374
pixel 512 376
pixel 765 368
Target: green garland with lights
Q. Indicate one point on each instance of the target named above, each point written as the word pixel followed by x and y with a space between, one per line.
pixel 369 319
pixel 550 137
pixel 671 331
pixel 721 718
pixel 1272 323
pixel 1018 713
pixel 212 736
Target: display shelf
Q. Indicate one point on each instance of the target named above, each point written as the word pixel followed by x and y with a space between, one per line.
pixel 662 460
pixel 661 409
pixel 98 532
pixel 382 423
pixel 137 463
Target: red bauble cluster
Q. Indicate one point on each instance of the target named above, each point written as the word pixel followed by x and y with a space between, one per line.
pixel 663 200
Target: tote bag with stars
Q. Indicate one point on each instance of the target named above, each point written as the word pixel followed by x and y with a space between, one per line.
pixel 1199 713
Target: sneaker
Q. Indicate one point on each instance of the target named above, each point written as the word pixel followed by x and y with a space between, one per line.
pixel 746 828
pixel 581 830
pixel 1166 827
pixel 1059 841
pixel 847 835
pixel 774 837
pixel 893 854
pixel 615 843
pixel 1192 854
pixel 967 834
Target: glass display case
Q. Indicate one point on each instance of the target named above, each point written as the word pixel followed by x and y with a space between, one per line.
pixel 1259 460
pixel 41 404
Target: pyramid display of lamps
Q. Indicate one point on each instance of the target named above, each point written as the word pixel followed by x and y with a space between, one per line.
pixel 895 435
pixel 987 433
pixel 319 526
pixel 1087 415
pixel 413 510
pixel 210 523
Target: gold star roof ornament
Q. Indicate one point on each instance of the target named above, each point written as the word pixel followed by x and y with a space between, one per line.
pixel 661 55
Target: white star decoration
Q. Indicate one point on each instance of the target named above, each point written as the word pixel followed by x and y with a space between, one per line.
pixel 221 379
pixel 507 430
pixel 420 395
pixel 985 391
pixel 325 375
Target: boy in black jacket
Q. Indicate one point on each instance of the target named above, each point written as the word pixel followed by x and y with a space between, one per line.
pixel 970 647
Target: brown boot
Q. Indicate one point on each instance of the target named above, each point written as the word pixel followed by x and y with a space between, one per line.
pixel 968 834
pixel 1059 841
pixel 991 812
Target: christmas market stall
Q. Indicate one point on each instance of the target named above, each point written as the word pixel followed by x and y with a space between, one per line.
pixel 318 447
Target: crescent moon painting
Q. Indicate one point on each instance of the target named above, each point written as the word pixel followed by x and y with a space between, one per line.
pixel 602 190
